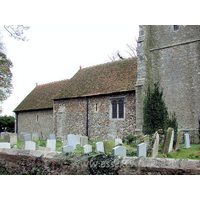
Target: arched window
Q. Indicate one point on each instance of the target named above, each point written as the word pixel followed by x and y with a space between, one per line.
pixel 121 108
pixel 114 109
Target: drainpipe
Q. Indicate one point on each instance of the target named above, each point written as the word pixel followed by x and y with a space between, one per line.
pixel 87 134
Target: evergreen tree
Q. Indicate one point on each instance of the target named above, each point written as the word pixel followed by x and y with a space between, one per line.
pixel 155 114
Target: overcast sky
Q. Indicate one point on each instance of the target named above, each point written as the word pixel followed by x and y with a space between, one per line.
pixel 67 34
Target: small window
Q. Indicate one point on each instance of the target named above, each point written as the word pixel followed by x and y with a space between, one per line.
pixel 37 118
pixel 176 27
pixel 121 108
pixel 96 107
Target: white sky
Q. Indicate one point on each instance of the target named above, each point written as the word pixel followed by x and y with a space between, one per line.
pixel 67 34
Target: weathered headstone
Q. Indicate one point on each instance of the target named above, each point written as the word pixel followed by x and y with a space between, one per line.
pixel 118 141
pixel 167 141
pixel 142 150
pixel 27 137
pixel 29 145
pixel 78 139
pixel 155 145
pixel 6 136
pixel 83 140
pixel 21 136
pixel 99 147
pixel 87 148
pixel 13 139
pixel 71 140
pixel 178 139
pixel 119 151
pixel 187 141
pixel 46 149
pixel 171 142
pixel 5 145
pixel 52 136
pixel 67 148
pixel 35 136
pixel 51 143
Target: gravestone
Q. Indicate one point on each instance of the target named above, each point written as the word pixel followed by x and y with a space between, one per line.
pixel 142 150
pixel 187 141
pixel 168 139
pixel 52 136
pixel 21 136
pixel 27 137
pixel 87 148
pixel 67 148
pixel 6 136
pixel 178 139
pixel 13 139
pixel 71 140
pixel 155 145
pixel 83 140
pixel 118 141
pixel 119 151
pixel 51 143
pixel 29 145
pixel 35 136
pixel 171 142
pixel 5 145
pixel 46 149
pixel 99 147
pixel 78 139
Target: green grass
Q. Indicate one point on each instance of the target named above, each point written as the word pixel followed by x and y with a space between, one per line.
pixel 182 153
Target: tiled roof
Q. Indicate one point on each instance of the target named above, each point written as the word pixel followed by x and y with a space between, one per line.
pixel 107 78
pixel 41 96
pixel 102 79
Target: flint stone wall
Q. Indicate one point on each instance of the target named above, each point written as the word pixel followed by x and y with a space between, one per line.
pixel 17 161
pixel 70 117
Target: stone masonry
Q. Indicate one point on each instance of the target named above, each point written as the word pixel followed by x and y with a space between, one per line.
pixel 171 57
pixel 70 117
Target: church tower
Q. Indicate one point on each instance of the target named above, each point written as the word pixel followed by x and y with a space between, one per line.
pixel 170 54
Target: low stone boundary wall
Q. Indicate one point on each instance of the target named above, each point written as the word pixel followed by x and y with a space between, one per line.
pixel 17 161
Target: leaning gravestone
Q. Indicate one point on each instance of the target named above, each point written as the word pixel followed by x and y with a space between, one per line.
pixel 13 139
pixel 83 140
pixel 35 136
pixel 155 145
pixel 178 139
pixel 142 150
pixel 168 139
pixel 5 145
pixel 21 136
pixel 118 141
pixel 29 145
pixel 87 148
pixel 52 136
pixel 67 148
pixel 51 143
pixel 27 137
pixel 71 140
pixel 187 141
pixel 99 147
pixel 119 151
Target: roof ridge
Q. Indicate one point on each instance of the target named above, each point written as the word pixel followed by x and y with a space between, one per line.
pixel 131 58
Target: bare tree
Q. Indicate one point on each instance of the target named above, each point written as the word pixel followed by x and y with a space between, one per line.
pixel 17 31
